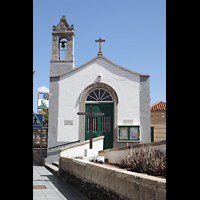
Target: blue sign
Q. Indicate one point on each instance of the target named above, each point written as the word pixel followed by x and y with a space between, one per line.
pixel 37 120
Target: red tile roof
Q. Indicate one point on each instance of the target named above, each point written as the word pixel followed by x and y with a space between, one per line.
pixel 160 105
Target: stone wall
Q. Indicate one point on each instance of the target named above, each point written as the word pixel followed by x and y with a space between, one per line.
pixel 36 157
pixel 105 182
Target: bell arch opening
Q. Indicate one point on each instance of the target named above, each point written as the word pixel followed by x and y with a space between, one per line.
pixel 62 49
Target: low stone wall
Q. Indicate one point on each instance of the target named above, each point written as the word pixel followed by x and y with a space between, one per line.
pixel 116 155
pixel 101 182
pixel 36 157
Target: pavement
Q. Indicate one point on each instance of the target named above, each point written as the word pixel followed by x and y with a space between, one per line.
pixel 56 188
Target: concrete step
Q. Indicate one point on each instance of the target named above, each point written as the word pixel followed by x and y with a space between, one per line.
pixel 52 168
pixel 55 164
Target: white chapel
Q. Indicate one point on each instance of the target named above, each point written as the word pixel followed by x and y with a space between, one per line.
pixel 121 94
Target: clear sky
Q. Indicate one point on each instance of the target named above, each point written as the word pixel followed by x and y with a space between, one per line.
pixel 134 30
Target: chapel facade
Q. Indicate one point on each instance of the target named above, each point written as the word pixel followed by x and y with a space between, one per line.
pixel 121 94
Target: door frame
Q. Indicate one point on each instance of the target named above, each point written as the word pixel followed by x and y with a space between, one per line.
pixel 82 102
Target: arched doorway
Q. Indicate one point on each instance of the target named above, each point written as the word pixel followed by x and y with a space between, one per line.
pixel 103 99
pixel 102 102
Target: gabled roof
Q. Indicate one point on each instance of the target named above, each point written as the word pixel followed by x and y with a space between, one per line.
pixel 160 105
pixel 106 59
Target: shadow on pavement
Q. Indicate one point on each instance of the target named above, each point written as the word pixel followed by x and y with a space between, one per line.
pixel 63 187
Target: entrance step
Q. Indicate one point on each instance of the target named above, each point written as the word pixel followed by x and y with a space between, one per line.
pixel 55 164
pixel 52 168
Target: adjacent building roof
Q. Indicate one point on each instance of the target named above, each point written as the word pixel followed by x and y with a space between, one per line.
pixel 160 105
pixel 43 89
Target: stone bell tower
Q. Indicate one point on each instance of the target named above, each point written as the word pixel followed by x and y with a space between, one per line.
pixel 62 61
pixel 62 57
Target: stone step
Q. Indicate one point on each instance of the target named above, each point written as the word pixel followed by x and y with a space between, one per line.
pixel 55 164
pixel 52 168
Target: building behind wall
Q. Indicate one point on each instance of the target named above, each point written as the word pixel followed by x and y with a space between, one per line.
pixel 158 120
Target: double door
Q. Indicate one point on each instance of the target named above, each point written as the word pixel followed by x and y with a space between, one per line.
pixel 102 125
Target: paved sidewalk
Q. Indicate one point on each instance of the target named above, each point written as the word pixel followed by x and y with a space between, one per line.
pixel 56 188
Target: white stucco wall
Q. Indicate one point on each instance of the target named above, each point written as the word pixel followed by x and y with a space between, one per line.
pixel 78 149
pixel 118 154
pixel 71 85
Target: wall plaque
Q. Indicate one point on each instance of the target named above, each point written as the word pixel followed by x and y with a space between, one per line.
pixel 68 122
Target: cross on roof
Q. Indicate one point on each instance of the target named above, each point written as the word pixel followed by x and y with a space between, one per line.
pixel 90 114
pixel 100 41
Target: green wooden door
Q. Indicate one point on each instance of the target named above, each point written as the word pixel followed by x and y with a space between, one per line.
pixel 102 125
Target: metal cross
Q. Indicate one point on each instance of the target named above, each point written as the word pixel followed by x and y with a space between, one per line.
pixel 100 41
pixel 90 114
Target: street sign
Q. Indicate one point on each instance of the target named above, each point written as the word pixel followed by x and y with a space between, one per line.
pixel 37 120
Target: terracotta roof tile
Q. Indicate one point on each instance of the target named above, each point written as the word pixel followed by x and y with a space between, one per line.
pixel 160 105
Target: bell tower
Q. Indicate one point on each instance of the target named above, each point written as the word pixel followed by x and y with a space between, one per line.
pixel 62 56
pixel 62 61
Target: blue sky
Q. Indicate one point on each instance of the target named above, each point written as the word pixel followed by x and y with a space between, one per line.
pixel 134 30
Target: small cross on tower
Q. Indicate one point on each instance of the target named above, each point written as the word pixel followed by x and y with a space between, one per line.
pixel 90 114
pixel 100 41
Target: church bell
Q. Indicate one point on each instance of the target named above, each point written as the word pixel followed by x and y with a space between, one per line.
pixel 63 44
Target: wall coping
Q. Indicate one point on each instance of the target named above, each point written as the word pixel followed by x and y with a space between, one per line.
pixel 81 143
pixel 135 174
pixel 135 146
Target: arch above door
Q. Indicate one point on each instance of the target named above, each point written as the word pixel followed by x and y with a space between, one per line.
pixel 100 95
pixel 101 85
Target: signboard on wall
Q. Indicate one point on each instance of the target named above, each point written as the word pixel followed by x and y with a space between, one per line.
pixel 43 103
pixel 131 133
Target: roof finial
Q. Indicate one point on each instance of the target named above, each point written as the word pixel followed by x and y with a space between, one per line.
pixel 100 41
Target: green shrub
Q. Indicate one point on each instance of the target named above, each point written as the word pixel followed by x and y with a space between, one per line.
pixel 146 160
